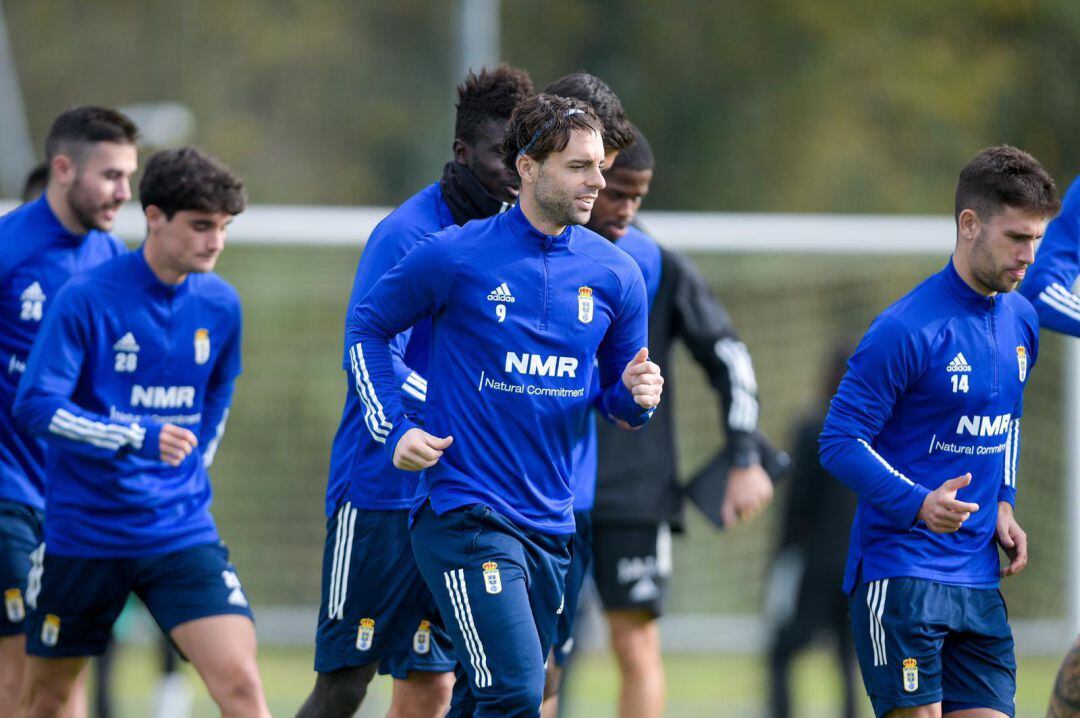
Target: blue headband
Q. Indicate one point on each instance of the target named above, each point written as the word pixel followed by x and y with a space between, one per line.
pixel 544 128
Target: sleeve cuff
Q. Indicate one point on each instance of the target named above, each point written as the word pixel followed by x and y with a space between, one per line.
pixel 744 450
pixel 151 444
pixel 909 508
pixel 395 435
pixel 621 405
pixel 1007 494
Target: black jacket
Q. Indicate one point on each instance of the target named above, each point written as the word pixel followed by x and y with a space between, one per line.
pixel 637 472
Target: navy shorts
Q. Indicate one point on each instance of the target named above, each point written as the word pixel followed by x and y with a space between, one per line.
pixel 74 601
pixel 580 563
pixel 20 534
pixel 921 642
pixel 375 606
pixel 500 588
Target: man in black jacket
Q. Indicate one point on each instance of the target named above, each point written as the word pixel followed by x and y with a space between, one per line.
pixel 638 497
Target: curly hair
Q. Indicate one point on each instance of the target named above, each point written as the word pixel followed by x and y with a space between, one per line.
pixel 188 179
pixel 542 124
pixel 618 132
pixel 638 156
pixel 491 94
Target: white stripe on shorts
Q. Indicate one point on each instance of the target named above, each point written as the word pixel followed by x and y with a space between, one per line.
pixel 339 569
pixel 875 601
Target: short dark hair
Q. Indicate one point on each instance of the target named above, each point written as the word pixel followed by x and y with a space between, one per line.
pixel 542 124
pixel 491 94
pixel 188 179
pixel 87 125
pixel 1005 176
pixel 618 132
pixel 638 156
pixel 36 182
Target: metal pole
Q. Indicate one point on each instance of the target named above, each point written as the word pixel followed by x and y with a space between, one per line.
pixel 1072 485
pixel 15 145
pixel 478 35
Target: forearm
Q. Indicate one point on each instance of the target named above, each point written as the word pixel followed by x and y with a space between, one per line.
pixel 65 425
pixel 855 463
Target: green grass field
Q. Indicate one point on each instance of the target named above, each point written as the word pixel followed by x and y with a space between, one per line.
pixel 699 686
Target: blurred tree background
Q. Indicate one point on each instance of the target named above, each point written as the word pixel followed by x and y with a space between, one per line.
pixel 775 105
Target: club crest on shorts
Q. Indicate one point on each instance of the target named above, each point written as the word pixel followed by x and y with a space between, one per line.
pixel 584 305
pixel 13 605
pixel 365 635
pixel 421 640
pixel 1021 362
pixel 492 580
pixel 202 346
pixel 50 630
pixel 911 675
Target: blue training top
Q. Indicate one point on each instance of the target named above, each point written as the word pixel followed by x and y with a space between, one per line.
pixel 933 392
pixel 119 355
pixel 519 318
pixel 1049 282
pixel 37 256
pixel 360 471
pixel 644 250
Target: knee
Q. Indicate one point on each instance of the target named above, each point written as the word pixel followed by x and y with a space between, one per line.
pixel 422 695
pixel 519 701
pixel 44 702
pixel 339 693
pixel 238 690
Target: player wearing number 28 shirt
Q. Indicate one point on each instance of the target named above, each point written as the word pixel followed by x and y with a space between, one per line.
pixel 925 428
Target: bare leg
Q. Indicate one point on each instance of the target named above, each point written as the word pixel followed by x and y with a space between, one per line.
pixel 48 684
pixel 552 683
pixel 338 694
pixel 222 649
pixel 12 670
pixel 421 695
pixel 635 637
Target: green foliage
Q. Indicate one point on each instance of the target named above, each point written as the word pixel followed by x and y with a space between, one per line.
pixel 778 105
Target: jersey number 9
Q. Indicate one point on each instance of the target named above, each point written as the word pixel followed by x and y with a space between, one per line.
pixel 500 312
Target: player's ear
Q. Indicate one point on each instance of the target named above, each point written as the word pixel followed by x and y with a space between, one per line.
pixel 968 224
pixel 155 217
pixel 63 168
pixel 462 151
pixel 527 168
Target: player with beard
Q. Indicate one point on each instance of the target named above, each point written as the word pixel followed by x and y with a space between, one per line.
pixel 377 614
pixel 925 429
pixel 91 158
pixel 523 304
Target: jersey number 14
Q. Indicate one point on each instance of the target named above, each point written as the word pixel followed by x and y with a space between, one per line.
pixel 959 383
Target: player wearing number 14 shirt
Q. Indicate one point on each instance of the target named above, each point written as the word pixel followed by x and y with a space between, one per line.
pixel 925 428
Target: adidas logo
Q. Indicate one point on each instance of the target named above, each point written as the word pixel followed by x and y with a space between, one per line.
pixel 127 343
pixel 501 293
pixel 32 293
pixel 959 365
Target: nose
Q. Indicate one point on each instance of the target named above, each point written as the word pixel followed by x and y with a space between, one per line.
pixel 1027 252
pixel 217 241
pixel 123 190
pixel 596 180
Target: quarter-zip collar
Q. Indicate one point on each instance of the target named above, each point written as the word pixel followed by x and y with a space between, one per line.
pixel 42 208
pixel 962 292
pixel 145 276
pixel 522 228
